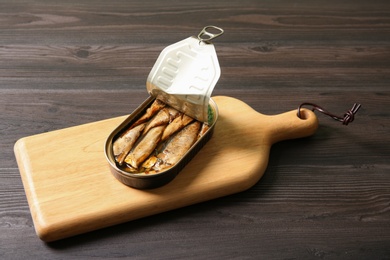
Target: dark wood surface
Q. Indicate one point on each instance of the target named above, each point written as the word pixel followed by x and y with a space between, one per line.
pixel 66 63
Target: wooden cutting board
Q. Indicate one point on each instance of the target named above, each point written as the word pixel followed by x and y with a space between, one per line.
pixel 70 189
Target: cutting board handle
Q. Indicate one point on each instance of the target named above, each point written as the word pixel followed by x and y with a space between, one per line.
pixel 268 129
pixel 289 126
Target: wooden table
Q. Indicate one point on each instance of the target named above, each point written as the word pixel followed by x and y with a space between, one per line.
pixel 67 63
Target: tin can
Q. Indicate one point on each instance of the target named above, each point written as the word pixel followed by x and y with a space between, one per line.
pixel 183 77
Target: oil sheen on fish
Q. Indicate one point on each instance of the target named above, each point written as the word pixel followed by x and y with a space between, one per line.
pixel 177 124
pixel 145 147
pixel 163 117
pixel 156 106
pixel 125 142
pixel 177 146
pixel 203 130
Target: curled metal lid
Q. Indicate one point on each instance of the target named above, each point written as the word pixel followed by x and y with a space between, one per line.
pixel 186 73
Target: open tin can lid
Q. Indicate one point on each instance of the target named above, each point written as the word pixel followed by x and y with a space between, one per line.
pixel 186 73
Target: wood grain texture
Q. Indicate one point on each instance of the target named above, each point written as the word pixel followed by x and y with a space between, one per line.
pixel 68 63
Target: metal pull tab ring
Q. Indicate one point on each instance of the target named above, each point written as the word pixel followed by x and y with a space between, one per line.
pixel 206 36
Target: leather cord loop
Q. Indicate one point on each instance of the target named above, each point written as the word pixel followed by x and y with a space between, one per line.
pixel 348 117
